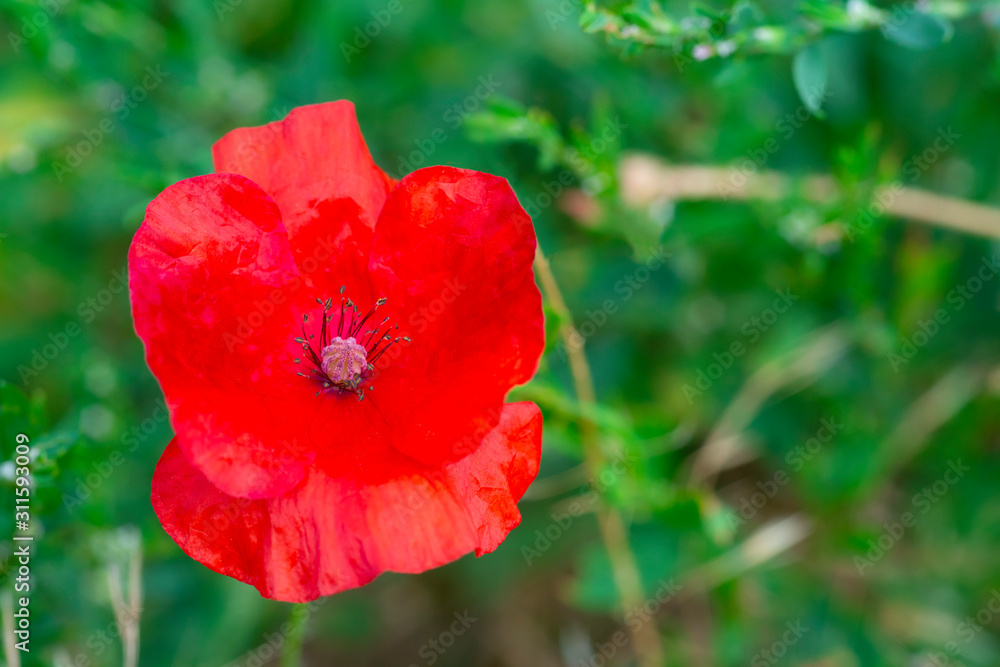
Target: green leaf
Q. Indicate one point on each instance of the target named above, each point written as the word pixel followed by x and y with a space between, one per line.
pixel 598 21
pixel 18 414
pixel 917 30
pixel 824 13
pixel 745 16
pixel 810 71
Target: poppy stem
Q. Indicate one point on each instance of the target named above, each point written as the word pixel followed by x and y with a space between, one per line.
pixel 291 656
pixel 645 639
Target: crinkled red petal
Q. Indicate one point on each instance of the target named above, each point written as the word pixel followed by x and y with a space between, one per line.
pixel 316 153
pixel 211 277
pixel 453 254
pixel 331 534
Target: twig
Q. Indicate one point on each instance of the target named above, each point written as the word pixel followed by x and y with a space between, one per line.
pixel 648 649
pixel 932 409
pixel 771 540
pixel 127 614
pixel 646 180
pixel 725 446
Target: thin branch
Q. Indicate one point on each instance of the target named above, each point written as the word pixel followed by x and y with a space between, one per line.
pixel 646 179
pixel 648 649
pixel 127 613
pixel 135 598
pixel 726 446
pixel 932 410
pixel 772 540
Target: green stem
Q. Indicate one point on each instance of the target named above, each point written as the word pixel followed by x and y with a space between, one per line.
pixel 291 656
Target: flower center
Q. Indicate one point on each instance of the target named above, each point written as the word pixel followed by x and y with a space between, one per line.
pixel 346 359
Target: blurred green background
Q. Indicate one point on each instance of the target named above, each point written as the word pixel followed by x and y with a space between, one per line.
pixel 799 398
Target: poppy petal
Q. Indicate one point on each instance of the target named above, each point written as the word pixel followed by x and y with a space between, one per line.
pixel 212 282
pixel 453 253
pixel 316 166
pixel 329 534
pixel 315 153
pixel 331 243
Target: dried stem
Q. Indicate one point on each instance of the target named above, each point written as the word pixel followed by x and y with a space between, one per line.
pixel 127 613
pixel 726 445
pixel 646 640
pixel 646 179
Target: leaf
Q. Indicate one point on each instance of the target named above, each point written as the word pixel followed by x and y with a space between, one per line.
pixel 917 30
pixel 596 21
pixel 20 413
pixel 811 71
pixel 17 415
pixel 745 16
pixel 825 13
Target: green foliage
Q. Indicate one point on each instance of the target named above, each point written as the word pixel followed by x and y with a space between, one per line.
pixel 881 331
pixel 746 29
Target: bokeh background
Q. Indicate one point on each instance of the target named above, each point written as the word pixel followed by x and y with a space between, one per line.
pixel 797 418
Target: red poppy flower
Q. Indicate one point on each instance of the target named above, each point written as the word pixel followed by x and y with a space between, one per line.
pixel 335 348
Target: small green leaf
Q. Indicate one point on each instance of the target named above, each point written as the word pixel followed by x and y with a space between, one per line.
pixel 592 22
pixel 825 13
pixel 917 30
pixel 745 15
pixel 810 71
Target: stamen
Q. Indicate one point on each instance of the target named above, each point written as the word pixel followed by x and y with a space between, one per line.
pixel 345 360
